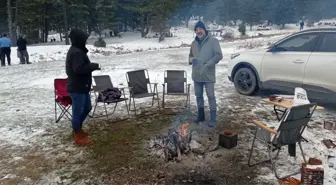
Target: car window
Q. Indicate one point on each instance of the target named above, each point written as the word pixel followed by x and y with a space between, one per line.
pixel 328 43
pixel 305 42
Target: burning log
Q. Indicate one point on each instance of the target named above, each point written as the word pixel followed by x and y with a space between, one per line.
pixel 176 143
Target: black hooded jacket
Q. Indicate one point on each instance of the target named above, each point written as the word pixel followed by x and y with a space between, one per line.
pixel 21 44
pixel 78 66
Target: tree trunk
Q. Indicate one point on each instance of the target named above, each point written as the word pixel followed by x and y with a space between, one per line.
pixel 60 33
pixel 186 19
pixel 46 24
pixel 15 26
pixel 9 19
pixel 66 26
pixel 144 26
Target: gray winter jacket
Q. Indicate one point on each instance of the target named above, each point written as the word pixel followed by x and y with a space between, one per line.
pixel 207 54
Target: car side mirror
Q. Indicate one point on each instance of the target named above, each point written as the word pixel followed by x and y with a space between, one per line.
pixel 275 49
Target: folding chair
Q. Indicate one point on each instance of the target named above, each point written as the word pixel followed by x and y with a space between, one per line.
pixel 175 84
pixel 289 132
pixel 102 83
pixel 62 99
pixel 138 83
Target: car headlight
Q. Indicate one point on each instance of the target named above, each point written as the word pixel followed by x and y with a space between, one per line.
pixel 234 55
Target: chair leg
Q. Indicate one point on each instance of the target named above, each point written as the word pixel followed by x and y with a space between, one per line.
pixel 303 155
pixel 189 102
pixel 275 170
pixel 268 148
pixel 157 96
pixel 106 111
pixel 127 107
pixel 252 147
pixel 158 100
pixel 64 112
pixel 94 109
pixel 153 99
pixel 56 112
pixel 186 105
pixel 163 100
pixel 134 106
pixel 67 114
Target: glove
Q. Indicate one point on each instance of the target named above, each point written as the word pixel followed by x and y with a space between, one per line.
pixel 99 66
pixel 194 61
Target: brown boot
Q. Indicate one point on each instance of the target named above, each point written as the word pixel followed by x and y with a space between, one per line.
pixel 83 132
pixel 81 140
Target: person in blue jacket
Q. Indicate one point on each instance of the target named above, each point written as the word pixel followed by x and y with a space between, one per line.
pixel 5 47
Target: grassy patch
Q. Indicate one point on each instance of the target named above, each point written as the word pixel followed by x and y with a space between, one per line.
pixel 121 145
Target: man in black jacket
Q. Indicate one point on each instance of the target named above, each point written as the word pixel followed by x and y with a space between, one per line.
pixel 79 70
pixel 22 49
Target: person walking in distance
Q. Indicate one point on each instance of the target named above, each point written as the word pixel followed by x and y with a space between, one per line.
pixel 205 53
pixel 79 71
pixel 22 49
pixel 5 47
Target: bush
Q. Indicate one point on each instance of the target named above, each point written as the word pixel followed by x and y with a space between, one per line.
pixel 242 29
pixel 100 43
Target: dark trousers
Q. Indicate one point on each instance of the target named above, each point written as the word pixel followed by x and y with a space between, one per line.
pixel 5 52
pixel 81 107
pixel 24 57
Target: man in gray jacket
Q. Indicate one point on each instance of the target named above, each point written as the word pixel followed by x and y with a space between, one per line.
pixel 205 53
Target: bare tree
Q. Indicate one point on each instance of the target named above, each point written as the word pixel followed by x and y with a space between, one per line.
pixel 66 25
pixel 9 18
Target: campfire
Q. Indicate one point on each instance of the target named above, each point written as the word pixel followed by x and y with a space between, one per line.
pixel 176 142
pixel 183 140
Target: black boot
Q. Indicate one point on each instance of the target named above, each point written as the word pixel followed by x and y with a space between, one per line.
pixel 200 115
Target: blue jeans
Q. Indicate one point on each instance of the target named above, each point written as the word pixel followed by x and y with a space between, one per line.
pixel 210 91
pixel 81 107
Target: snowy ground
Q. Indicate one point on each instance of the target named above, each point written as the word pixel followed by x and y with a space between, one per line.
pixel 27 109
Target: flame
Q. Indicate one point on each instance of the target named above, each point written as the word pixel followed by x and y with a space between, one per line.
pixel 184 129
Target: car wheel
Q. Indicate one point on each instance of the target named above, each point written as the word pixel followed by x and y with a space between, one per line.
pixel 245 81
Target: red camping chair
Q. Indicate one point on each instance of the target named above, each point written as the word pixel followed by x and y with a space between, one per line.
pixel 62 99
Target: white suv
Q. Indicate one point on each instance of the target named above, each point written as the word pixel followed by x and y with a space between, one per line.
pixel 305 59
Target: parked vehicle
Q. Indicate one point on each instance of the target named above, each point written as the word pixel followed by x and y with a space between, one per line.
pixel 263 27
pixel 304 59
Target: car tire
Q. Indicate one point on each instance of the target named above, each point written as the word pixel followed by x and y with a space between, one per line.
pixel 245 81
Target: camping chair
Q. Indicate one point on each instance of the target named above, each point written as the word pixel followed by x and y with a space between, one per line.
pixel 175 83
pixel 62 99
pixel 138 83
pixel 289 132
pixel 102 83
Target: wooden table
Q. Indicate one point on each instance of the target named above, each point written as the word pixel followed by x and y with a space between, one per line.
pixel 285 104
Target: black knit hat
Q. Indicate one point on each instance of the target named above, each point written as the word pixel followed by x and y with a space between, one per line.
pixel 199 24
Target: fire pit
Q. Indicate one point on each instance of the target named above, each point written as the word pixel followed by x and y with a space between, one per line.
pixel 183 138
pixel 176 143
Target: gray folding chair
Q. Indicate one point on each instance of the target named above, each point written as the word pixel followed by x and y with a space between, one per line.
pixel 289 132
pixel 141 87
pixel 102 83
pixel 175 84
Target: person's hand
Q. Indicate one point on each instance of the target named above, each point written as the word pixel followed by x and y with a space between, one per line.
pixel 190 60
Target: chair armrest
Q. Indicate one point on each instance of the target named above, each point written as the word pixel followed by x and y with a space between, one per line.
pixel 124 87
pixel 263 126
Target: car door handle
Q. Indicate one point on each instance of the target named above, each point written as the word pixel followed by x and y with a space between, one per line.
pixel 298 61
